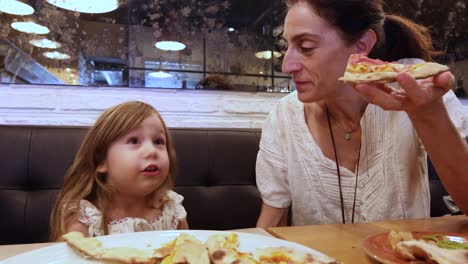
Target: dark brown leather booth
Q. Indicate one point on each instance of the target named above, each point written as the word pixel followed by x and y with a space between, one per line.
pixel 216 175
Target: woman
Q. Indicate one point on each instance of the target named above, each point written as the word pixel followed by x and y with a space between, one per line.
pixel 332 150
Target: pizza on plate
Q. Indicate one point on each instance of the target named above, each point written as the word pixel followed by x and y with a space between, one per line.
pixel 187 249
pixel 362 69
pixel 435 249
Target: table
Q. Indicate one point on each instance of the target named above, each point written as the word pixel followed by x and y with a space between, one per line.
pixel 344 241
pixel 7 251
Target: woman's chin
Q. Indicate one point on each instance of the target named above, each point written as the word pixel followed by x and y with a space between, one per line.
pixel 307 97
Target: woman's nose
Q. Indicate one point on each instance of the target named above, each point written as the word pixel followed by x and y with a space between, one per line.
pixel 291 63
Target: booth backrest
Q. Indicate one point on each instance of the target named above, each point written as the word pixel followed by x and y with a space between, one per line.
pixel 216 175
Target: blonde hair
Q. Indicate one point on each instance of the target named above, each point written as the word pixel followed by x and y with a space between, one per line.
pixel 82 181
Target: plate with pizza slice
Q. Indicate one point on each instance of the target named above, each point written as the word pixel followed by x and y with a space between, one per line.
pixel 362 69
pixel 178 246
pixel 417 247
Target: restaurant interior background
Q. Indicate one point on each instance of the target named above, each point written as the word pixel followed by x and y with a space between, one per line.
pixel 223 44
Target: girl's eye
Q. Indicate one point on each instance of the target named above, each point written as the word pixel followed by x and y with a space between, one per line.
pixel 132 140
pixel 159 141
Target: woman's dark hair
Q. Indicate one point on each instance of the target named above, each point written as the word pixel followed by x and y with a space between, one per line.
pixel 397 37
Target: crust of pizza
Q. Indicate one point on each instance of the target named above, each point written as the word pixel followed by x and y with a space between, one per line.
pixel 87 246
pixel 395 237
pixel 421 250
pixel 428 69
pixel 92 248
pixel 276 255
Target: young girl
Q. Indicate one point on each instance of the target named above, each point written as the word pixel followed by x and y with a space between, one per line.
pixel 121 178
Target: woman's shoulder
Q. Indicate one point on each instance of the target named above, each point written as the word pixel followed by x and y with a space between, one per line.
pixel 285 108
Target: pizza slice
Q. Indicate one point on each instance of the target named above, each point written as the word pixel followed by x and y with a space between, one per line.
pixel 186 249
pixel 361 69
pixel 223 249
pixel 421 250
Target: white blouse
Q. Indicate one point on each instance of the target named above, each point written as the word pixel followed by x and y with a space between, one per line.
pixel 172 213
pixel 392 182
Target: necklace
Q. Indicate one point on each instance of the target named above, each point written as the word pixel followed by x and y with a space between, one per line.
pixel 343 219
pixel 347 133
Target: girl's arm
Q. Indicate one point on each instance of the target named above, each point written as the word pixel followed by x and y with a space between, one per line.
pixel 183 225
pixel 74 225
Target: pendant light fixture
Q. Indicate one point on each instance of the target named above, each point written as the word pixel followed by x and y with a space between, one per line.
pixel 160 73
pixel 30 26
pixel 86 6
pixel 266 45
pixel 169 41
pixel 45 43
pixel 267 54
pixel 55 55
pixel 16 7
pixel 170 45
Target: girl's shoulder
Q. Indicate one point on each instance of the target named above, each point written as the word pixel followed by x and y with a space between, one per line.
pixel 89 213
pixel 173 205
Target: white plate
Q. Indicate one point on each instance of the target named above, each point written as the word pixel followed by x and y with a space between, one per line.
pixel 61 253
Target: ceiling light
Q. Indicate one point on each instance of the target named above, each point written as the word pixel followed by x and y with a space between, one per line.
pixel 231 29
pixel 86 6
pixel 56 55
pixel 45 43
pixel 16 7
pixel 170 45
pixel 160 74
pixel 267 54
pixel 30 27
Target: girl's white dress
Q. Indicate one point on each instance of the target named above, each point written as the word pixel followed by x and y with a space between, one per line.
pixel 172 213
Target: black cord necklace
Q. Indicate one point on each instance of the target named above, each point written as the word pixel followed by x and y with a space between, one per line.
pixel 339 174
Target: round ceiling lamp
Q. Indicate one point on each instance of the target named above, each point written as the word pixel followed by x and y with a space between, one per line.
pixel 267 54
pixel 86 6
pixel 55 55
pixel 170 45
pixel 16 7
pixel 45 43
pixel 30 27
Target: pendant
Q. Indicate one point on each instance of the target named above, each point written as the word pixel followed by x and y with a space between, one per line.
pixel 347 136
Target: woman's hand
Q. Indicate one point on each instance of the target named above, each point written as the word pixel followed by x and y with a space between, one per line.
pixel 417 97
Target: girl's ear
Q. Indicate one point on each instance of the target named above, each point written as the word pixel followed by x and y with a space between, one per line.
pixel 102 168
pixel 366 42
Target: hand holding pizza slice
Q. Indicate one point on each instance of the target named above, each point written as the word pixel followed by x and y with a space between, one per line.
pixel 361 69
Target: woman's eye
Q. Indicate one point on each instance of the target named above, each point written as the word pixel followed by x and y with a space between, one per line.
pixel 307 49
pixel 132 140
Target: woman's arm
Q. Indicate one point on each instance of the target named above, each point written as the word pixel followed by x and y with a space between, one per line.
pixel 423 104
pixel 272 216
pixel 447 149
pixel 183 225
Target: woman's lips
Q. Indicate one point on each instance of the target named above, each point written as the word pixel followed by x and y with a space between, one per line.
pixel 300 85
